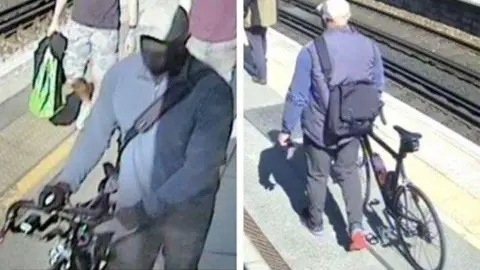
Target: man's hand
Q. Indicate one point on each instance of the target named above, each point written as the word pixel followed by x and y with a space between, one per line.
pixel 130 41
pixel 54 197
pixel 283 139
pixel 54 26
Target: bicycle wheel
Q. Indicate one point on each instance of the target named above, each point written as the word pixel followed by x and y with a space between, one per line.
pixel 408 227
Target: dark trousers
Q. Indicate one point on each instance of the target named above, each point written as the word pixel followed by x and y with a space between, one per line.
pixel 182 234
pixel 344 170
pixel 257 39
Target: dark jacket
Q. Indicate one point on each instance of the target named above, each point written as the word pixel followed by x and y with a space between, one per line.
pixel 178 158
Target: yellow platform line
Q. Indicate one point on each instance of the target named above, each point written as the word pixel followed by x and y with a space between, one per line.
pixel 455 206
pixel 37 175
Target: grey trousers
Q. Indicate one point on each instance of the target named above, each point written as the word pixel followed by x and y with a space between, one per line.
pixel 180 236
pixel 257 39
pixel 344 170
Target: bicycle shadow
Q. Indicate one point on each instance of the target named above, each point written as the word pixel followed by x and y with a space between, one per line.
pixel 270 165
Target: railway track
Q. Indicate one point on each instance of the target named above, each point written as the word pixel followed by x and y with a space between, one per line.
pixel 300 18
pixel 25 22
pixel 15 17
pixel 466 43
pixel 462 72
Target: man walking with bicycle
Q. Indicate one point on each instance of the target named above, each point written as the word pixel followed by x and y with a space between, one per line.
pixel 311 97
pixel 181 112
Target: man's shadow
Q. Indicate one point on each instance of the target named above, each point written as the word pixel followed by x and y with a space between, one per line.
pixel 273 163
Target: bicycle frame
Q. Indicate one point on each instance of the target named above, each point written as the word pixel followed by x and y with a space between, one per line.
pixel 398 156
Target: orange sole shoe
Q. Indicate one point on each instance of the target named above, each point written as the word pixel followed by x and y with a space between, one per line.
pixel 359 241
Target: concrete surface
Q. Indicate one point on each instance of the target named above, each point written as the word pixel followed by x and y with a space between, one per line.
pixel 446 184
pixel 252 258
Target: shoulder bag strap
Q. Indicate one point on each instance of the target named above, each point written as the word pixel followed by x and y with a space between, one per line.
pixel 157 109
pixel 325 63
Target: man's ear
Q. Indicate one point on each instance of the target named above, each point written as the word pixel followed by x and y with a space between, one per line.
pixel 179 30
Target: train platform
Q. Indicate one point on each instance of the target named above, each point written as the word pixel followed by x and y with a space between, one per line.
pixel 253 260
pixel 33 151
pixel 445 168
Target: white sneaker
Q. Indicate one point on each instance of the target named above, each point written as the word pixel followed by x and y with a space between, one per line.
pixel 85 110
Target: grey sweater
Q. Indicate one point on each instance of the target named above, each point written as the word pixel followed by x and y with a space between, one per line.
pixel 178 158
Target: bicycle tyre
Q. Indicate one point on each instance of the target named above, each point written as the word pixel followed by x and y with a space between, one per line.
pixel 422 196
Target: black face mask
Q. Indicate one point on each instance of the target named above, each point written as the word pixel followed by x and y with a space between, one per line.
pixel 168 55
pixel 154 54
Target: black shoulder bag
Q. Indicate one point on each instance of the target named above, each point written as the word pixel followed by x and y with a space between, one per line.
pixel 351 108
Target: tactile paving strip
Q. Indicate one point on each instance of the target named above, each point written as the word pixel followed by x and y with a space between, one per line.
pixel 263 245
pixel 23 144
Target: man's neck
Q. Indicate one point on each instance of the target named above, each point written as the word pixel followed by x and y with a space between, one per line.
pixel 338 26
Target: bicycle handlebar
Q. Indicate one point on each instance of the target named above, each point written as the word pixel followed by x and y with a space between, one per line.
pixel 90 213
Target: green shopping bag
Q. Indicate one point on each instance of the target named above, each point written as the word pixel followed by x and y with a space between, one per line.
pixel 43 101
pixel 46 98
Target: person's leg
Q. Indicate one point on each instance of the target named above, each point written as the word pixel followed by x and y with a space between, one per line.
pixel 263 33
pixel 132 250
pixel 318 172
pixel 346 172
pixel 104 55
pixel 254 36
pixel 185 233
pixel 76 58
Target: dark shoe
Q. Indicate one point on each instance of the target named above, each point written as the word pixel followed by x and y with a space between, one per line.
pixel 315 229
pixel 259 81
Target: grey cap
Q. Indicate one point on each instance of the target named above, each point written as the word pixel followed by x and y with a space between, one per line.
pixel 335 9
pixel 156 23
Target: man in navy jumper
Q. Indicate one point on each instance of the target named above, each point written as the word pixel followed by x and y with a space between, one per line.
pixel 168 175
pixel 354 58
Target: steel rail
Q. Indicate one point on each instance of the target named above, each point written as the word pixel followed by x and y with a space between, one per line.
pixel 13 18
pixel 462 72
pixel 468 44
pixel 302 22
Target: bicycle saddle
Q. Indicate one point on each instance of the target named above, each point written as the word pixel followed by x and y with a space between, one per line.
pixel 406 135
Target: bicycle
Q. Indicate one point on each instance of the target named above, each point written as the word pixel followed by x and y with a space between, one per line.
pixel 392 191
pixel 79 247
